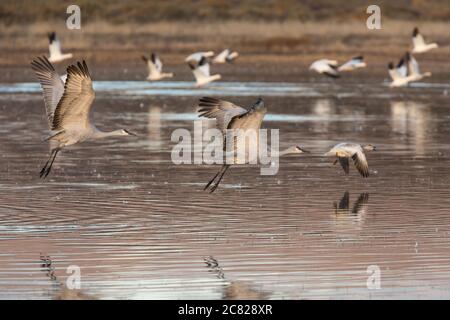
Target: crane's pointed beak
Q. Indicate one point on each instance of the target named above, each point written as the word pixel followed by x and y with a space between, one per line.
pixel 130 133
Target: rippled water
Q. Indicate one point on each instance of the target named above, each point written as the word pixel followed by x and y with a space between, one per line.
pixel 139 226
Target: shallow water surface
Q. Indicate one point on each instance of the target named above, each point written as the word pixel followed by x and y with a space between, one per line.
pixel 139 226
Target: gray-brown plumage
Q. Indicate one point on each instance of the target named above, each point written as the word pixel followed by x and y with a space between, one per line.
pixel 51 83
pixel 344 151
pixel 240 127
pixel 68 106
pixel 230 117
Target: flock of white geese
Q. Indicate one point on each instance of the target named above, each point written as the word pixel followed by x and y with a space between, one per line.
pixel 406 71
pixel 68 101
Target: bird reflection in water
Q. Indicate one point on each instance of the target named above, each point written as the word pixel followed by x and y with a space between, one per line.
pixel 61 291
pixel 234 290
pixel 359 207
pixel 154 128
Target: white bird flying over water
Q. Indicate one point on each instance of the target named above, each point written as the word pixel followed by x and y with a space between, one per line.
pixel 354 63
pixel 202 74
pixel 406 71
pixel 197 56
pixel 68 106
pixel 225 56
pixel 325 66
pixel 419 45
pixel 55 49
pixel 154 66
pixel 344 151
pixel 230 117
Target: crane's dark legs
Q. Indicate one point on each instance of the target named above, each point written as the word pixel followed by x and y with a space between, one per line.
pixel 48 165
pixel 214 178
pixel 221 172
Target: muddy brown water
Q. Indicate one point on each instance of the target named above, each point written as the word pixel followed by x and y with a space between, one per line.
pixel 139 226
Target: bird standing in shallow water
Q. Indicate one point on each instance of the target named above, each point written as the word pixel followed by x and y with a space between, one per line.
pixel 67 106
pixel 345 151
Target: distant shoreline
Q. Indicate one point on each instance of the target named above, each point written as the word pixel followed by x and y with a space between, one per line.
pixel 285 48
pixel 141 12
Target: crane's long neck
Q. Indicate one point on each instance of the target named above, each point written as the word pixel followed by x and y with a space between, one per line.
pixel 277 153
pixel 102 134
pixel 272 153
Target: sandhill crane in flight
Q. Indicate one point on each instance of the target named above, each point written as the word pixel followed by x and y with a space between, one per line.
pixel 154 66
pixel 231 118
pixel 344 151
pixel 419 45
pixel 67 106
pixel 54 47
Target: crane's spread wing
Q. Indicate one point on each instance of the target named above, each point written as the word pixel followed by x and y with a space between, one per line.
pixel 156 61
pixel 222 111
pixel 344 164
pixel 250 120
pixel 51 84
pixel 74 106
pixel 244 131
pixel 360 161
